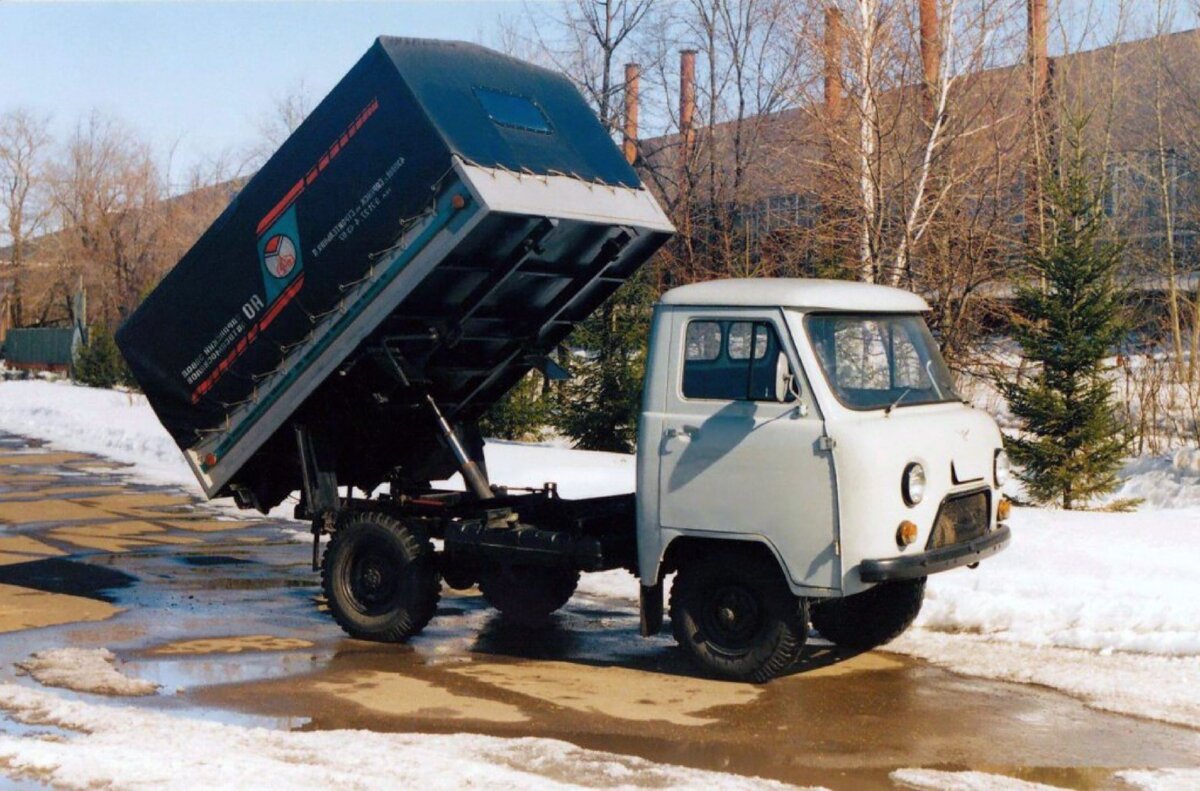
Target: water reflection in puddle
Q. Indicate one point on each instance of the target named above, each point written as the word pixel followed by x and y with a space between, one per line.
pixel 180 674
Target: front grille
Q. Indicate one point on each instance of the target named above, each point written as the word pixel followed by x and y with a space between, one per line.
pixel 961 518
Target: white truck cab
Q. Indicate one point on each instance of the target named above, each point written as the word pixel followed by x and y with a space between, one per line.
pixel 801 444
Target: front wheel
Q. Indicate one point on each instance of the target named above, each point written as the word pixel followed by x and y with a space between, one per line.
pixel 737 617
pixel 380 579
pixel 869 619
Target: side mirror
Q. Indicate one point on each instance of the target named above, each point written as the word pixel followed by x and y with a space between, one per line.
pixel 785 380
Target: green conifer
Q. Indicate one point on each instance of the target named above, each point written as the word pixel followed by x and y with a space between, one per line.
pixel 1069 318
pixel 598 407
pixel 99 363
pixel 521 414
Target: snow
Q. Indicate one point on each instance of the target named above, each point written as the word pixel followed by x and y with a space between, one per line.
pixel 1155 687
pixel 1093 581
pixel 962 781
pixel 111 423
pixel 128 748
pixel 84 670
pixel 1171 481
pixel 578 473
pixel 1105 606
pixel 1162 779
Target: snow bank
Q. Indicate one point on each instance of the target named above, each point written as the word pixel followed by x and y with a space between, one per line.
pixel 1163 481
pixel 128 748
pixel 84 670
pixel 1093 581
pixel 120 426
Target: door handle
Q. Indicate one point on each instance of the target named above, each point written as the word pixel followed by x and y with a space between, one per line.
pixel 681 432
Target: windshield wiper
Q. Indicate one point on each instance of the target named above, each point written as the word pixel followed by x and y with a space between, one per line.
pixel 932 381
pixel 896 403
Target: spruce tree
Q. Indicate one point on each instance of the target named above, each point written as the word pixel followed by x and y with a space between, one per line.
pixel 1069 317
pixel 521 414
pixel 99 363
pixel 598 406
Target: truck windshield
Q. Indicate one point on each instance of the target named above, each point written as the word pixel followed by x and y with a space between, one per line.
pixel 880 361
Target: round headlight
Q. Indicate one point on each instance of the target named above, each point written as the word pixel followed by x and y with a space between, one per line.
pixel 1001 468
pixel 912 484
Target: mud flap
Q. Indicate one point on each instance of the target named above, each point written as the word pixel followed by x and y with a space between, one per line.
pixel 650 607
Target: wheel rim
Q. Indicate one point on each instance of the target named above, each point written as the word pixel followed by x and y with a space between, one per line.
pixel 732 617
pixel 373 578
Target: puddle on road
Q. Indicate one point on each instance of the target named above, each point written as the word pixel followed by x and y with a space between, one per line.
pixel 399 695
pixel 615 692
pixel 182 673
pixel 232 645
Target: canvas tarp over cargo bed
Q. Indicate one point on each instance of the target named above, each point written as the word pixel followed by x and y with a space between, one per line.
pixel 445 208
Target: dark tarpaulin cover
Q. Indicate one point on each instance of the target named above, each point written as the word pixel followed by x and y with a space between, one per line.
pixel 336 193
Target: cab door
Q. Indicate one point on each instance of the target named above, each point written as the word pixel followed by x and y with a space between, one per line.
pixel 734 459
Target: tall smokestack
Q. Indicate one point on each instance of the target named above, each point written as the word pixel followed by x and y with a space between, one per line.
pixel 833 61
pixel 633 73
pixel 931 54
pixel 1039 116
pixel 1039 53
pixel 687 99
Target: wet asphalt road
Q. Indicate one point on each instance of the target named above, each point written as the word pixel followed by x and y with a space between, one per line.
pixel 226 615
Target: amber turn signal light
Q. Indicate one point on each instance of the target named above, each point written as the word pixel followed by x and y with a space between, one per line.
pixel 210 460
pixel 1003 510
pixel 906 534
pixel 458 202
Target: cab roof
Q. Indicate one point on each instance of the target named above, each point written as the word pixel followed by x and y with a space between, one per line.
pixel 792 292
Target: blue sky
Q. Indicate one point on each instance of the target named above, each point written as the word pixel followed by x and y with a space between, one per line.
pixel 198 77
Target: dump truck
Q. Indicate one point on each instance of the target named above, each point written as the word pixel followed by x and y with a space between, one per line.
pixel 429 235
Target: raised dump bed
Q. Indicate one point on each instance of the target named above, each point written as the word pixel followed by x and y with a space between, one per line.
pixel 431 232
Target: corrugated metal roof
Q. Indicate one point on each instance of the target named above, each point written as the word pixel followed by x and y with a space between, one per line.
pixel 42 345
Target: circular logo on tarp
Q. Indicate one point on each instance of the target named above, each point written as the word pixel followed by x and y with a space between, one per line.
pixel 279 255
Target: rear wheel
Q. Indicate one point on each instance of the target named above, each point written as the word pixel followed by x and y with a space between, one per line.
pixel 380 579
pixel 869 619
pixel 737 617
pixel 527 594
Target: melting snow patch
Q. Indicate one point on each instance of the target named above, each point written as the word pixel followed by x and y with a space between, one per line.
pixel 962 781
pixel 128 748
pixel 1162 779
pixel 1156 687
pixel 84 670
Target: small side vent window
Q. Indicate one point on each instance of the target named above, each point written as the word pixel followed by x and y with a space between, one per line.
pixel 512 110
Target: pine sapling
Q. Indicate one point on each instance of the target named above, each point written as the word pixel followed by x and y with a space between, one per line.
pixel 1069 317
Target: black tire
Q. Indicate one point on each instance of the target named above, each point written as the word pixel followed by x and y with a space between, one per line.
pixel 527 595
pixel 380 579
pixel 737 617
pixel 869 619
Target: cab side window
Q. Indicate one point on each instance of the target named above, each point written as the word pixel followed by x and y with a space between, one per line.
pixel 730 360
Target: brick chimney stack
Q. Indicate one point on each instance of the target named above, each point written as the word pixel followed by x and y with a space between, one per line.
pixel 834 33
pixel 931 55
pixel 1040 147
pixel 1039 53
pixel 687 100
pixel 633 73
